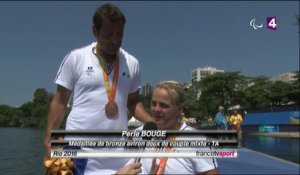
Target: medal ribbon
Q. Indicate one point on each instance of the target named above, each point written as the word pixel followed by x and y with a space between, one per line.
pixel 110 89
pixel 163 161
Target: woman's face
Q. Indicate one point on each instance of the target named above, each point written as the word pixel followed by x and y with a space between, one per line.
pixel 164 110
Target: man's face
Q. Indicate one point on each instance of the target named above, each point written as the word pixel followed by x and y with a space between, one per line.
pixel 110 36
pixel 164 110
pixel 235 111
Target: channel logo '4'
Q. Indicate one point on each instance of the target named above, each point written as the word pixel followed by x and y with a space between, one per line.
pixel 271 23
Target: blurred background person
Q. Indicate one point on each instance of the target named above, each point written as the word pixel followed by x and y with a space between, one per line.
pixel 236 121
pixel 220 119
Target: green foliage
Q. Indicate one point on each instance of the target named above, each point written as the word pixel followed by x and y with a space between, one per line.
pixel 279 92
pixel 230 89
pixel 257 94
pixel 10 116
pixel 192 106
pixel 30 114
pixel 294 93
pixel 146 100
pixel 226 89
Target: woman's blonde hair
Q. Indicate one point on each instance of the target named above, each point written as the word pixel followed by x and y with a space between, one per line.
pixel 176 90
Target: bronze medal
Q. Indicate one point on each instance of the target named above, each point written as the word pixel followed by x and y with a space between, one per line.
pixel 111 109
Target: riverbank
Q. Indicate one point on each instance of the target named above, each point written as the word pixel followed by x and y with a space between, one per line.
pixel 278 134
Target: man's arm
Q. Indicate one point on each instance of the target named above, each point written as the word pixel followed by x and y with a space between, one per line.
pixel 136 108
pixel 56 115
pixel 216 119
pixel 231 119
pixel 210 172
pixel 240 118
pixel 133 168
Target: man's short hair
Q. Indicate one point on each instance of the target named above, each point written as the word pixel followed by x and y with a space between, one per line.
pixel 107 12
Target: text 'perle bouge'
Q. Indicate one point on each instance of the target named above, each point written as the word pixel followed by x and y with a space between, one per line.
pixel 148 133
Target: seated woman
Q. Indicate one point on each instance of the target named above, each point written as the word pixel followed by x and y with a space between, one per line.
pixel 167 106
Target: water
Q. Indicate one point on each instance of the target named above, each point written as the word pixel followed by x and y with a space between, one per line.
pixel 284 148
pixel 22 151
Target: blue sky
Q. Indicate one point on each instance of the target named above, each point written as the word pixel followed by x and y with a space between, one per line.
pixel 169 39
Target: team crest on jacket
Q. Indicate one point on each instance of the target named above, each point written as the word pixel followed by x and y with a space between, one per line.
pixel 126 74
pixel 89 71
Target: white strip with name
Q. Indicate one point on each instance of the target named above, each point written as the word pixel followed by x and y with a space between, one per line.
pixel 98 153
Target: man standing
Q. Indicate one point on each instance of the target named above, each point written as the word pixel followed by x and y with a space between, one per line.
pixel 104 80
pixel 220 119
pixel 236 121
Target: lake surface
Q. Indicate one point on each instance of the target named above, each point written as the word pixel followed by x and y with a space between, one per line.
pixel 284 148
pixel 22 150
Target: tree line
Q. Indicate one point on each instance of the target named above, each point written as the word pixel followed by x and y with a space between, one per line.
pixel 231 89
pixel 203 98
pixel 31 114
